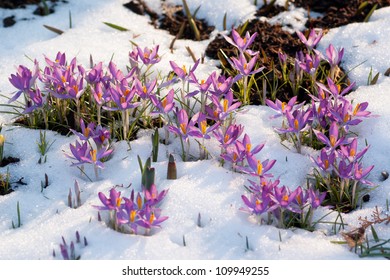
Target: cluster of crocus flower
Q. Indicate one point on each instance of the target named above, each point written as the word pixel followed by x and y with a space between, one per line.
pixel 280 204
pixel 325 122
pixel 245 63
pixel 91 147
pixel 129 214
pixel 340 170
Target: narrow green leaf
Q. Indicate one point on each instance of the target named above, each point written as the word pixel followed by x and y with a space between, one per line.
pixel 361 7
pixel 70 20
pixel 367 18
pixel 374 234
pixel 114 26
pixel 375 79
pixel 224 21
pixel 141 167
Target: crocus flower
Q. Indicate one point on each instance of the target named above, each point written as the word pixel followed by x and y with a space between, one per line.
pixel 312 40
pixel 80 152
pixel 149 56
pixel 241 43
pixel 153 197
pixel 35 100
pixel 343 115
pixel 95 156
pixel 164 105
pixel 282 107
pixel 122 97
pixel 256 204
pixel 184 127
pixel 250 152
pixel 315 198
pixel 257 167
pixel 101 136
pixel 182 72
pixel 309 63
pixel 234 153
pixel 204 128
pixel 223 108
pixel 23 80
pixel 333 56
pixel 129 215
pixel 325 161
pixel 86 131
pixel 350 151
pixel 220 85
pixel 283 197
pixel 113 202
pixel 360 174
pixel 230 136
pixel 144 91
pixel 297 121
pixel 334 139
pixel 244 67
pixel 153 217
pixel 335 90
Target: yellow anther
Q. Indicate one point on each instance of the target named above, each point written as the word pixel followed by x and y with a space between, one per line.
pixel 151 219
pixel 285 197
pixel 225 105
pixel 296 124
pixel 132 215
pixel 139 202
pixel 183 128
pixel 248 148
pixel 332 141
pixel 93 155
pixel 118 202
pixel 86 131
pixel 326 163
pixel 203 126
pixel 259 168
pixel 357 109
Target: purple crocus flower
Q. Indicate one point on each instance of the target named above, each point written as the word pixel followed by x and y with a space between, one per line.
pixel 325 161
pixel 234 153
pixel 184 127
pixel 153 197
pixel 220 85
pixel 350 151
pixel 144 91
pixel 113 202
pixel 164 105
pixel 315 198
pixel 244 67
pixel 123 98
pixel 79 152
pixel 312 40
pixel 129 215
pixel 241 43
pixel 333 56
pixel 284 198
pixel 149 56
pixel 223 108
pixel 250 152
pixel 256 204
pixel 86 131
pixel 101 136
pixel 35 100
pixel 204 128
pixel 360 174
pixel 309 63
pixel 257 167
pixel 24 80
pixel 344 170
pixel 182 72
pixel 297 121
pixel 282 107
pixel 333 141
pixel 343 115
pixel 335 90
pixel 230 136
pixel 95 156
pixel 153 217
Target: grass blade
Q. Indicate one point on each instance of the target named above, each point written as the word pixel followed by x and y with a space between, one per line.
pixel 114 26
pixel 53 29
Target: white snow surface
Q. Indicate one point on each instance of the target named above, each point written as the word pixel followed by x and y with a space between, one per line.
pixel 203 187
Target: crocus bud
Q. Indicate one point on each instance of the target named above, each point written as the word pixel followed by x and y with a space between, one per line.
pixel 171 172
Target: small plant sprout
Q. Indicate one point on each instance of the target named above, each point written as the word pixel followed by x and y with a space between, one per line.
pixel 45 182
pixel 76 201
pixel 5 183
pixel 155 145
pixel 19 223
pixel 43 146
pixel 147 173
pixel 171 170
pixel 68 252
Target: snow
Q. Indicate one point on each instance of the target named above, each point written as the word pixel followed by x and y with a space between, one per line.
pixel 203 187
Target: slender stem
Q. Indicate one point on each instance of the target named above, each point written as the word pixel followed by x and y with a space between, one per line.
pixel 245 85
pixel 99 114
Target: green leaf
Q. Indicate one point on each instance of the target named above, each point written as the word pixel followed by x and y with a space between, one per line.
pixel 367 18
pixel 224 21
pixel 374 234
pixel 114 26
